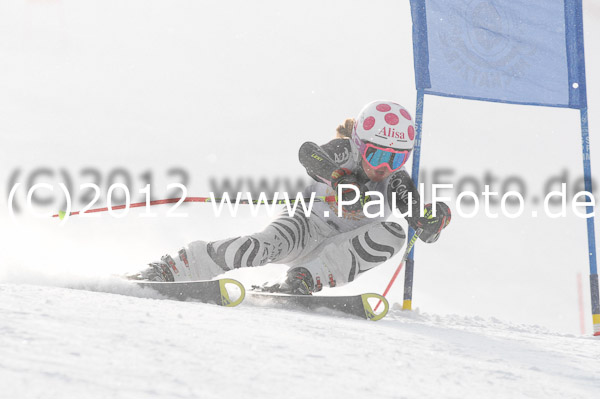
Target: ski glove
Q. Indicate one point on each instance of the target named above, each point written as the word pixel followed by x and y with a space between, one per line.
pixel 433 226
pixel 345 176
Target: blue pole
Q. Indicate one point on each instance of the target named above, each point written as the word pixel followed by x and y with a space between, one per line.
pixel 410 262
pixel 587 174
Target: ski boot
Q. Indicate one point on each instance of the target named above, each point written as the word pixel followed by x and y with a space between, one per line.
pixel 156 271
pixel 299 281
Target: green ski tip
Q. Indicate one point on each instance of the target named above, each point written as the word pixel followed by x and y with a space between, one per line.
pixel 61 214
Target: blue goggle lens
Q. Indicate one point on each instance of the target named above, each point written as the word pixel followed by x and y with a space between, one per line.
pixel 377 157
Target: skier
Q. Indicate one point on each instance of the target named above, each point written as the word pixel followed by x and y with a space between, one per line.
pixel 324 247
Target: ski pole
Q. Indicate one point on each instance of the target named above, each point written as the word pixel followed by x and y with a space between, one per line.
pixel 406 252
pixel 61 214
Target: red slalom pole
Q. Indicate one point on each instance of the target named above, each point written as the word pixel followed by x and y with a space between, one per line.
pixel 408 249
pixel 62 214
pixel 136 205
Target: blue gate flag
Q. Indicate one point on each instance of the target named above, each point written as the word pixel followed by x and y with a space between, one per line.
pixel 512 51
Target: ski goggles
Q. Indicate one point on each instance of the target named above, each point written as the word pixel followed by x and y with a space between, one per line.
pixel 378 157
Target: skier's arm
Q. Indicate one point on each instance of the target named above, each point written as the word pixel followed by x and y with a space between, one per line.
pixel 320 165
pixel 400 185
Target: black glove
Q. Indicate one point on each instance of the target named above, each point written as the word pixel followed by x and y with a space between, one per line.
pixel 345 176
pixel 433 226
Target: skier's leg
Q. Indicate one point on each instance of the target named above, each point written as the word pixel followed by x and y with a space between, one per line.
pixel 342 259
pixel 284 240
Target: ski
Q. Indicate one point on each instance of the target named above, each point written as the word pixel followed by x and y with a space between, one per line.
pixel 210 291
pixel 356 305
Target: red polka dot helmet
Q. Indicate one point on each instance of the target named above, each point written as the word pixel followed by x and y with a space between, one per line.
pixel 387 126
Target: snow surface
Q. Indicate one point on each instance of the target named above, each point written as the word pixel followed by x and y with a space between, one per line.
pixel 64 343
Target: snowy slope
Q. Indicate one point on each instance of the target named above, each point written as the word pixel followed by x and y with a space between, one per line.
pixel 63 343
